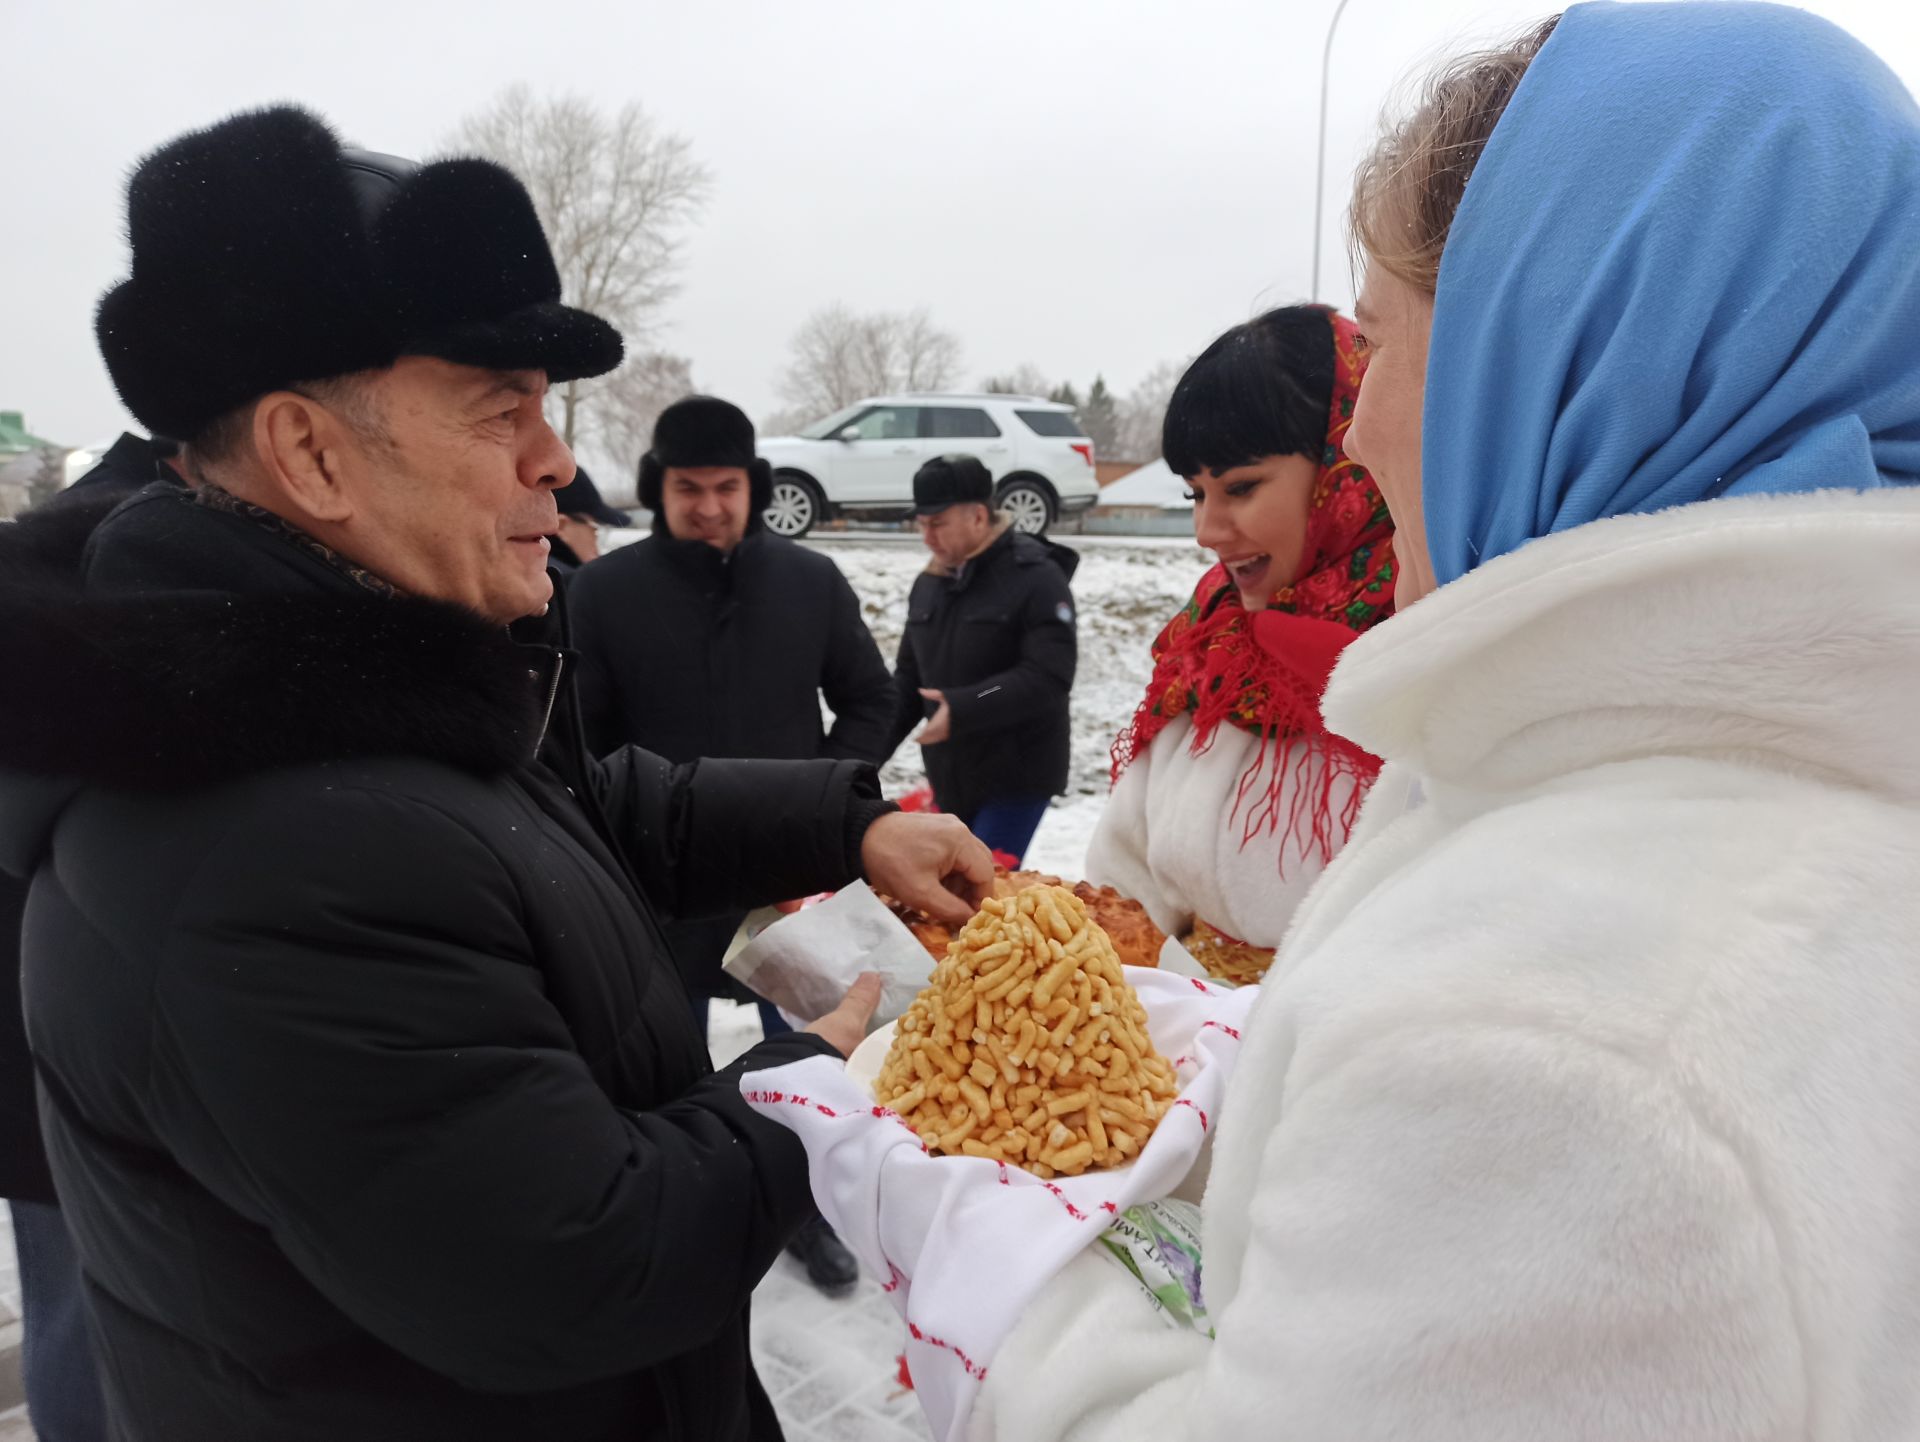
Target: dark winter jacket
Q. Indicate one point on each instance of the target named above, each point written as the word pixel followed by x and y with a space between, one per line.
pixel 998 639
pixel 372 1096
pixel 23 1159
pixel 689 652
pixel 129 464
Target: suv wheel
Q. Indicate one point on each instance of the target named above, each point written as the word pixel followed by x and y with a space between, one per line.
pixel 1029 505
pixel 795 508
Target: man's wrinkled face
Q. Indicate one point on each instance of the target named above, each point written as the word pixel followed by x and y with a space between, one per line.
pixel 956 533
pixel 451 486
pixel 707 503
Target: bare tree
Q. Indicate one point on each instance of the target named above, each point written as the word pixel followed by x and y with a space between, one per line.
pixel 1144 412
pixel 838 356
pixel 786 421
pixel 615 195
pixel 628 404
pixel 1026 379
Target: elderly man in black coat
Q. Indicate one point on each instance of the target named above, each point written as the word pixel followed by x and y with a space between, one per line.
pixel 369 1086
pixel 714 637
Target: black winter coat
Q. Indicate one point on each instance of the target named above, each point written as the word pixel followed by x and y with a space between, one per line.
pixel 129 464
pixel 23 1158
pixel 998 639
pixel 690 653
pixel 372 1096
pixel 687 653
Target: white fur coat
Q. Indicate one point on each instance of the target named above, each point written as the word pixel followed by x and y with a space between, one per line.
pixel 1583 1101
pixel 1171 839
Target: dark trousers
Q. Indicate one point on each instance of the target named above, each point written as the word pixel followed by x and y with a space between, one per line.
pixel 56 1357
pixel 1007 824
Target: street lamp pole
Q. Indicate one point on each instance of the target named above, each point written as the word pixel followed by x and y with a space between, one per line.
pixel 1320 167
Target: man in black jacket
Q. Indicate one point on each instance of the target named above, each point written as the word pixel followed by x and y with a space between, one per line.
pixel 714 637
pixel 367 1081
pixel 987 658
pixel 753 629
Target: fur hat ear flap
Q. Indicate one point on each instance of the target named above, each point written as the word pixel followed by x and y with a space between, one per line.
pixel 759 487
pixel 652 474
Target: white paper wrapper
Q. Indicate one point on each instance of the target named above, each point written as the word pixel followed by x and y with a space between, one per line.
pixel 804 963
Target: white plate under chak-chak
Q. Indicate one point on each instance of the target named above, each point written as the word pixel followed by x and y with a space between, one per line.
pixel 865 1063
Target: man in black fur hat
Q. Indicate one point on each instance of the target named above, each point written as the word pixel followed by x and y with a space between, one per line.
pixel 753 630
pixel 369 1085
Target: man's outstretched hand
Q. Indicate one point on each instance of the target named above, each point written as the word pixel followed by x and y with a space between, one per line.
pixel 939 726
pixel 846 1025
pixel 932 863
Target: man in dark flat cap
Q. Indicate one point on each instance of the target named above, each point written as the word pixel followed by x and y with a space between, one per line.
pixel 370 1089
pixel 583 511
pixel 987 658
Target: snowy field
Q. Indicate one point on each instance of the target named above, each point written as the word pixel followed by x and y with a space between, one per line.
pixel 1124 590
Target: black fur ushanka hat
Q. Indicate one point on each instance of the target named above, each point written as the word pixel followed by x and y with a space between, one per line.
pixel 704 431
pixel 265 255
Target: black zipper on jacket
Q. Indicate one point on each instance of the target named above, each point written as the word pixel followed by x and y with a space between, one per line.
pixel 553 694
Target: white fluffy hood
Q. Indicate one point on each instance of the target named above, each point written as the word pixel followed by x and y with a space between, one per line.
pixel 1774 631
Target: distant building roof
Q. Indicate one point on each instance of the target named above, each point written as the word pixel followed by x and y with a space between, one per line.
pixel 14 437
pixel 1153 484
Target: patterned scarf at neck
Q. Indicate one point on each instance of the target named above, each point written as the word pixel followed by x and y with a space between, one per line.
pixel 216 499
pixel 1266 672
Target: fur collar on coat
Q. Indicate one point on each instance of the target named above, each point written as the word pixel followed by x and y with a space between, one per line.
pixel 230 657
pixel 1778 631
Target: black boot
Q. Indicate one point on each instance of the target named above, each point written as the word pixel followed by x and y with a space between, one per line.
pixel 830 1266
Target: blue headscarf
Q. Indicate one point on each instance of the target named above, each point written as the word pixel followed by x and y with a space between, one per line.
pixel 1687 265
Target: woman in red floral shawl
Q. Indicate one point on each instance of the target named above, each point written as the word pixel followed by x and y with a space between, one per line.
pixel 1229 793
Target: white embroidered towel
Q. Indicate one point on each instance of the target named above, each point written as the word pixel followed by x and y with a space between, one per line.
pixel 964 1244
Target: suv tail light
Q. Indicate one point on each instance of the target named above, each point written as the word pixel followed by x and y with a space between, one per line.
pixel 1086 450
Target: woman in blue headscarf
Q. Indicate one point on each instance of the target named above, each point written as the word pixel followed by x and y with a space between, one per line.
pixel 1583 1100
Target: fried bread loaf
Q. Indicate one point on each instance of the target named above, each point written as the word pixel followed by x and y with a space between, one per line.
pixel 1027 1046
pixel 1136 940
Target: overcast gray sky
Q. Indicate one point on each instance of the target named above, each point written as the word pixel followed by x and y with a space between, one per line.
pixel 1088 185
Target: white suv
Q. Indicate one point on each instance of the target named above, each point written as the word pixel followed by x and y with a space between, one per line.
pixel 862 459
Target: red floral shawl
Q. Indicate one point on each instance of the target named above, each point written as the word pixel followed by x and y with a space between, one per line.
pixel 1266 672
